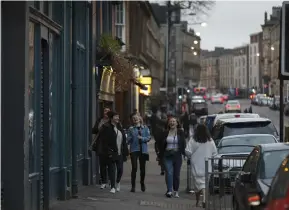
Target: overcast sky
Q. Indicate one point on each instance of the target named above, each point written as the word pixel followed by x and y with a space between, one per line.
pixel 231 22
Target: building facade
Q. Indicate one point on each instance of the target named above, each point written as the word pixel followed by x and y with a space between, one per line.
pixel 241 75
pixel 267 48
pixel 190 68
pixel 255 79
pixel 210 68
pixel 227 70
pixel 65 76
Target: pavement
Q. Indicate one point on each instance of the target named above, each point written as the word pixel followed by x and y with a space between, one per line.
pixel 93 198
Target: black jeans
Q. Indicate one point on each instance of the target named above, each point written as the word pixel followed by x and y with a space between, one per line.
pixel 135 156
pixel 103 168
pixel 115 166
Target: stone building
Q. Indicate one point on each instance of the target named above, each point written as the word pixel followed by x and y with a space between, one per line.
pixel 227 69
pixel 241 75
pixel 255 53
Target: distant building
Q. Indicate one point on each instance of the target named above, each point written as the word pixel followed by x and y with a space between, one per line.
pixel 241 75
pixel 210 68
pixel 269 30
pixel 227 69
pixel 255 53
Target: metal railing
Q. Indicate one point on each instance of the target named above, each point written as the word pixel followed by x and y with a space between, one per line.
pixel 220 174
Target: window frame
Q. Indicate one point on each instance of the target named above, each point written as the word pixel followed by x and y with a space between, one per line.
pixel 120 8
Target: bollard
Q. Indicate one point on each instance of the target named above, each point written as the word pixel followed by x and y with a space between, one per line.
pixel 286 134
pixel 189 175
pixel 207 178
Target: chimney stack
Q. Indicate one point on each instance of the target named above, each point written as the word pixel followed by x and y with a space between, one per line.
pixel 265 17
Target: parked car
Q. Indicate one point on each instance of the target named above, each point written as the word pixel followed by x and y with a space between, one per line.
pixel 235 147
pixel 253 182
pixel 234 115
pixel 241 126
pixel 278 196
pixel 262 101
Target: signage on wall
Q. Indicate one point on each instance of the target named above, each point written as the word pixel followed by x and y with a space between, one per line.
pixel 145 80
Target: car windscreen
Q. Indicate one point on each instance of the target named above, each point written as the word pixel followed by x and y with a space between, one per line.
pixel 240 128
pixel 270 162
pixel 243 144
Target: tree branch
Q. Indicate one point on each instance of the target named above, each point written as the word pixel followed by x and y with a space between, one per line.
pixel 194 7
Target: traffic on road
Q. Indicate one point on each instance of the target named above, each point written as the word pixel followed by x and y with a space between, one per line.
pixel 250 154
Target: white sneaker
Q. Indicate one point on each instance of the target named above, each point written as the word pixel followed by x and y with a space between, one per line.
pixel 102 186
pixel 117 187
pixel 112 190
pixel 176 195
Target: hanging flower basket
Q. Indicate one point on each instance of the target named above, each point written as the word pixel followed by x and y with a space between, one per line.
pixel 110 51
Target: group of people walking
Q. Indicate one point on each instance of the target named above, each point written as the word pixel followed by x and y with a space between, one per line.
pixel 111 146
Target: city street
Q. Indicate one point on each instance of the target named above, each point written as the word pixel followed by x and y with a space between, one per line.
pixel 262 111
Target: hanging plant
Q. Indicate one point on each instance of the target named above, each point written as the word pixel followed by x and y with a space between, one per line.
pixel 109 45
pixel 110 49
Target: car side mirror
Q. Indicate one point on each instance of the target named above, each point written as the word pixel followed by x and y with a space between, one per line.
pixel 246 177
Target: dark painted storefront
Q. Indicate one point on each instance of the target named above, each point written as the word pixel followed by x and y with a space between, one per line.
pixel 46 101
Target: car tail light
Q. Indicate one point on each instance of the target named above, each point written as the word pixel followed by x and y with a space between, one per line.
pixel 254 200
pixel 237 115
pixel 205 97
pixel 238 106
pixel 227 106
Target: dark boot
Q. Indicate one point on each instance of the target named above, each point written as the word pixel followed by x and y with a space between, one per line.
pixel 132 186
pixel 143 187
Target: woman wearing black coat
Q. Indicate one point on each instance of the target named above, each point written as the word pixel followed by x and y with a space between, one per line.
pixel 172 149
pixel 115 149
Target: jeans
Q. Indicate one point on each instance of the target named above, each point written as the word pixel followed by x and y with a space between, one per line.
pixel 115 166
pixel 103 168
pixel 135 156
pixel 173 166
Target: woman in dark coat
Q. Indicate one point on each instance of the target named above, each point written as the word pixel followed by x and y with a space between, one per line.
pixel 115 149
pixel 172 150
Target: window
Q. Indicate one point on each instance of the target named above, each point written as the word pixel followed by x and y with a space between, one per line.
pixel 120 22
pixel 255 50
pixel 250 70
pixel 252 163
pixel 255 81
pixel 255 60
pixel 280 183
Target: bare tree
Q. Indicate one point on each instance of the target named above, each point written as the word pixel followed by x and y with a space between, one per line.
pixel 194 9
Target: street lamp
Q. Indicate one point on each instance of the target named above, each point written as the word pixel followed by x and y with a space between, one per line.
pixel 272 48
pixel 192 48
pixel 195 53
pixel 198 34
pixel 204 24
pixel 258 54
pixel 196 42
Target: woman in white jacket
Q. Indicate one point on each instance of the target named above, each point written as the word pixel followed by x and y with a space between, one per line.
pixel 200 147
